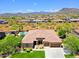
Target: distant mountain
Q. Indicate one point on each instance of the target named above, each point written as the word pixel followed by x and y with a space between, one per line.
pixel 23 14
pixel 69 10
pixel 62 11
pixel 41 12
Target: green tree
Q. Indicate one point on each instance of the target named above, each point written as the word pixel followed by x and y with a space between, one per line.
pixel 62 33
pixel 14 27
pixel 9 44
pixel 64 29
pixel 72 43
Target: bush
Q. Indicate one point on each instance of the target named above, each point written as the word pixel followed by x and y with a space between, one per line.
pixel 69 56
pixel 28 49
pixel 62 33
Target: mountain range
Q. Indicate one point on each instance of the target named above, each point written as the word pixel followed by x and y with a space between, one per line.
pixel 62 11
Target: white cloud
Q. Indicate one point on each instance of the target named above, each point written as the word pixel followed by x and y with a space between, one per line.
pixel 48 10
pixel 52 10
pixel 56 10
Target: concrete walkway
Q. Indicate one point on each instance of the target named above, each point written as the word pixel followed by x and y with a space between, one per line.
pixel 54 52
pixel 38 49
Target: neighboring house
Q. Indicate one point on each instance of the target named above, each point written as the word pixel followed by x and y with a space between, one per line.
pixel 9 32
pixel 74 20
pixel 58 20
pixel 67 20
pixel 46 38
pixel 32 21
pixel 76 32
pixel 2 35
pixel 3 22
pixel 71 20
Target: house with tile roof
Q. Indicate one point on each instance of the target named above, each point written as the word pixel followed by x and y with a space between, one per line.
pixel 46 38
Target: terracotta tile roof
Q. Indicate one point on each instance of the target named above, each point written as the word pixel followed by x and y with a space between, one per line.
pixel 49 36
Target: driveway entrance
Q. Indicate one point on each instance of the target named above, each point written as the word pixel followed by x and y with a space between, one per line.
pixel 54 52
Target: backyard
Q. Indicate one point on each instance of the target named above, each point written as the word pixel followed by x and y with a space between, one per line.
pixel 33 54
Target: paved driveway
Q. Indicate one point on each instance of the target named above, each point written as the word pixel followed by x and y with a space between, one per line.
pixel 54 52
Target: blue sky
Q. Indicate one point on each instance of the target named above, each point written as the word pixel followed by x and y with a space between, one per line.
pixel 36 5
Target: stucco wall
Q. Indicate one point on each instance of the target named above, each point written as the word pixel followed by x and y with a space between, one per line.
pixel 27 45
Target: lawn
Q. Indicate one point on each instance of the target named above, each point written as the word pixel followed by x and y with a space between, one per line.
pixel 69 56
pixel 34 54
